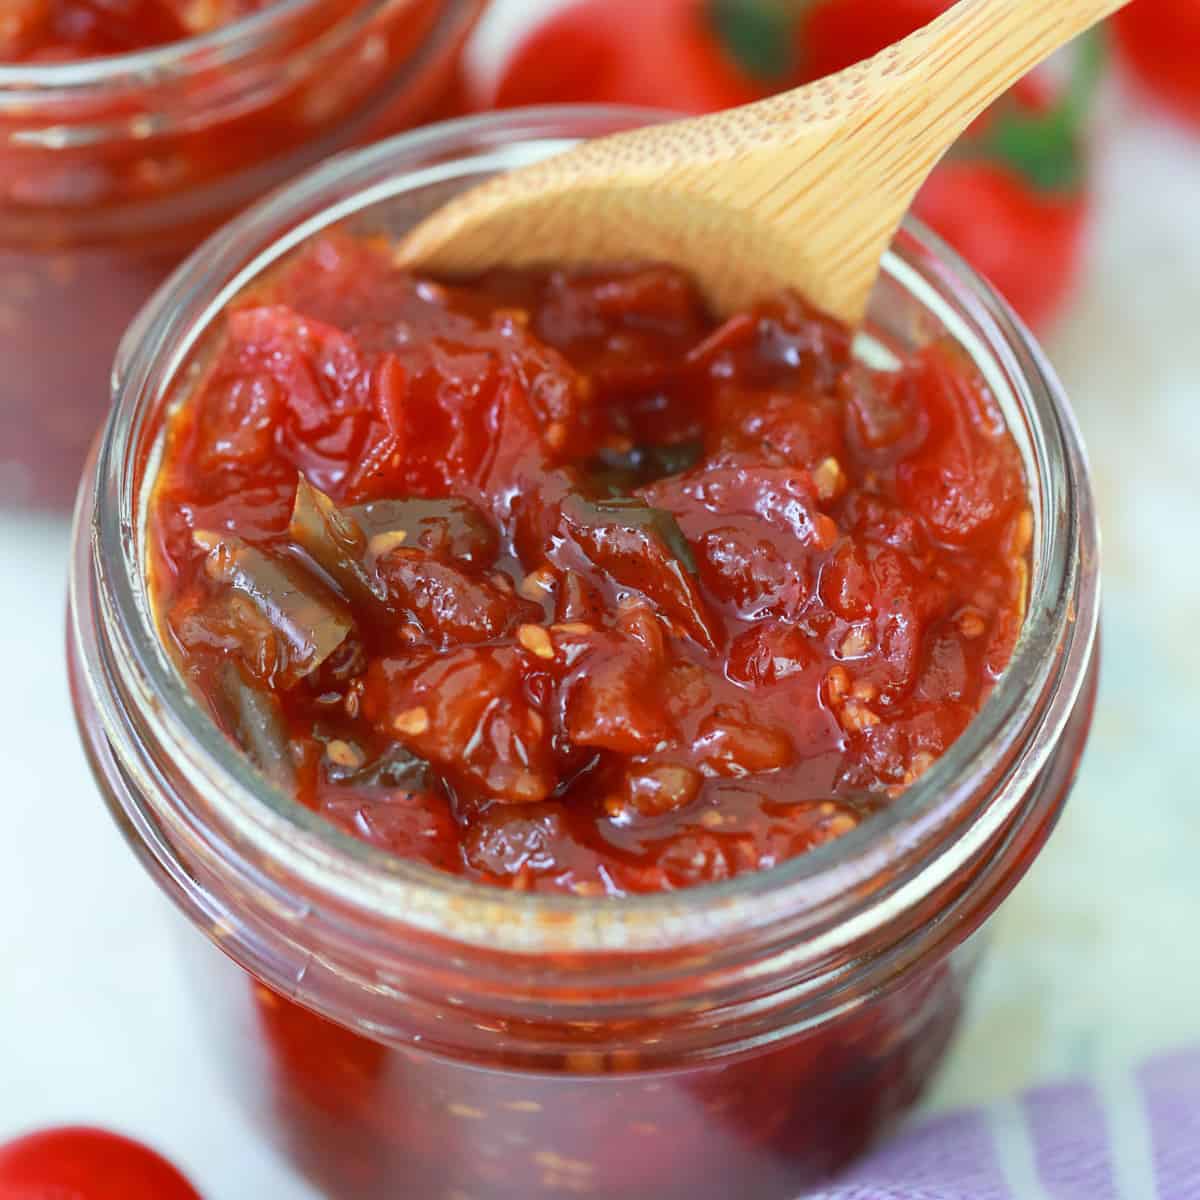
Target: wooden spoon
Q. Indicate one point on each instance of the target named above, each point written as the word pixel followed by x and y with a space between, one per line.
pixel 804 190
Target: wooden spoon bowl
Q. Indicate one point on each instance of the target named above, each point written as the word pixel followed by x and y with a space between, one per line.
pixel 804 190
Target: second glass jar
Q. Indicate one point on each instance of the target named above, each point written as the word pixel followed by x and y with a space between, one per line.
pixel 113 169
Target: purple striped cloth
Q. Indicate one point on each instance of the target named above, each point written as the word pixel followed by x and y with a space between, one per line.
pixel 1127 1137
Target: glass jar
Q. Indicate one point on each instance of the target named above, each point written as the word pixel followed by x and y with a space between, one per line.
pixel 113 169
pixel 384 1022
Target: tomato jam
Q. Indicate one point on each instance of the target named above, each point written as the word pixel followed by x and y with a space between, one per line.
pixel 552 580
pixel 62 30
pixel 559 584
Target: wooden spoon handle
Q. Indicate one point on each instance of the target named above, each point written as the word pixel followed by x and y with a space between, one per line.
pixel 880 125
pixel 877 129
pixel 972 54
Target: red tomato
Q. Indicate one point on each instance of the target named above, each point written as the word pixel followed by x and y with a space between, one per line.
pixel 661 53
pixel 1027 242
pixel 87 1164
pixel 1159 40
pixel 831 35
pixel 456 99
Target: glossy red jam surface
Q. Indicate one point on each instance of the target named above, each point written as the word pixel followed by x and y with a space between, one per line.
pixel 63 30
pixel 554 581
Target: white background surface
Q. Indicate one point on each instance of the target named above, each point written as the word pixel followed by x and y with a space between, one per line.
pixel 1096 959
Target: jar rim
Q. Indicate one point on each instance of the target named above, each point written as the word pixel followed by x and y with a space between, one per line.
pixel 228 41
pixel 155 66
pixel 837 884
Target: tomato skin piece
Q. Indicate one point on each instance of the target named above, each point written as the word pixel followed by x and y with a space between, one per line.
pixel 660 53
pixel 1159 42
pixel 961 481
pixel 87 1164
pixel 1029 244
pixel 472 717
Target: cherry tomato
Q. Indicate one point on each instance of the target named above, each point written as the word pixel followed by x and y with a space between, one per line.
pixel 831 34
pixel 76 1163
pixel 1027 243
pixel 1159 41
pixel 676 54
pixel 456 100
